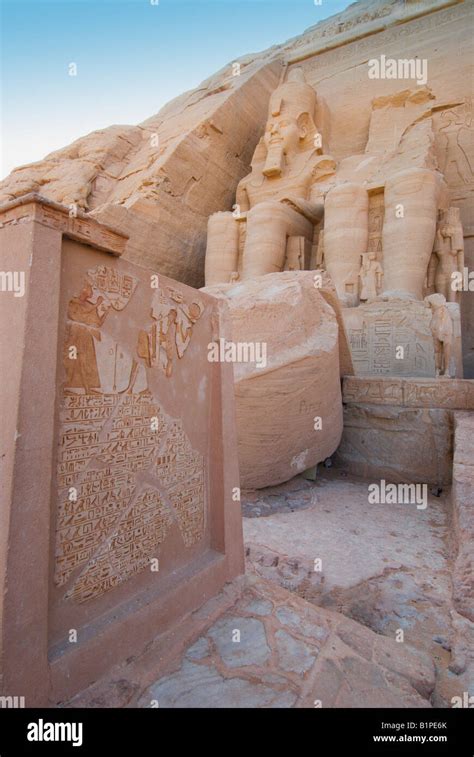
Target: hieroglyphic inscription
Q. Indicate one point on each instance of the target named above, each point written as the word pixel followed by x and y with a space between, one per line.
pixel 126 470
pixel 376 214
pixel 357 50
pixel 171 331
pixel 457 394
pixel 116 287
pixel 372 390
pixel 135 434
pixel 181 471
pixel 376 345
pixel 129 550
pixel 331 30
pixel 91 498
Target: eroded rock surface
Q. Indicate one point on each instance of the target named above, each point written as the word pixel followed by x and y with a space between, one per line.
pixel 279 400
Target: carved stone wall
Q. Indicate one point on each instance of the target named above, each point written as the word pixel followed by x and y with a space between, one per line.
pixel 117 515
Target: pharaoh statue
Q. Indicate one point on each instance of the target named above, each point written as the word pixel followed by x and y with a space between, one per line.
pixel 371 276
pixel 273 221
pixel 441 326
pixel 398 166
pixel 412 198
pixel 448 255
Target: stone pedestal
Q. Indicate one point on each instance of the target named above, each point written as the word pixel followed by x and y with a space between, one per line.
pixel 393 338
pixel 401 429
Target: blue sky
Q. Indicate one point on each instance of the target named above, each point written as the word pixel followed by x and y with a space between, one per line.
pixel 132 57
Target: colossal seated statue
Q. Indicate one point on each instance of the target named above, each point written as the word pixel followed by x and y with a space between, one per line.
pixel 274 203
pixel 387 207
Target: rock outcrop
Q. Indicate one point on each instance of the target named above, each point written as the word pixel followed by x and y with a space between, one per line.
pixel 289 410
pixel 159 181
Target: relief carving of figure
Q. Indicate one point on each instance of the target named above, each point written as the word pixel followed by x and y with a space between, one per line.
pixel 80 360
pixel 455 127
pixel 171 332
pixel 94 362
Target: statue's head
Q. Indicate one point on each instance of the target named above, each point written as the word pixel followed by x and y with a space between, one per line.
pixel 290 125
pixel 435 301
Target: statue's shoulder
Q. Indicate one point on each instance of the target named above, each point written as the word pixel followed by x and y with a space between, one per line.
pixel 322 165
pixel 255 178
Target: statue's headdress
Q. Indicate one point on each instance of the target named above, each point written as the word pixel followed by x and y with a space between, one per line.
pixel 294 96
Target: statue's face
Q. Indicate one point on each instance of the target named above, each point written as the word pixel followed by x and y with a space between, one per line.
pixel 282 131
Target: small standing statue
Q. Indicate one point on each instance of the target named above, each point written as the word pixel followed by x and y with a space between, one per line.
pixel 442 329
pixel 371 276
pixel 448 255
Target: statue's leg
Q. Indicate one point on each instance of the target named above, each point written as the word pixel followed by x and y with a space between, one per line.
pixel 411 203
pixel 346 236
pixel 438 350
pixel 222 248
pixel 451 294
pixel 446 358
pixel 269 224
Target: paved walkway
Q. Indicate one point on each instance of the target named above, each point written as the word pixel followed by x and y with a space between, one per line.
pixel 388 566
pixel 271 648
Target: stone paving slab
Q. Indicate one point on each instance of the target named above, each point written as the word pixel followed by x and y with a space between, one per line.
pixel 274 649
pixel 270 649
pixel 387 566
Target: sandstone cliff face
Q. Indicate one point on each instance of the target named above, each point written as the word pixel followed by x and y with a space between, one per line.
pixel 159 181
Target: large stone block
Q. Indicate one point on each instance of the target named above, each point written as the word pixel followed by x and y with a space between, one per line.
pixel 278 405
pixel 397 443
pixel 402 428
